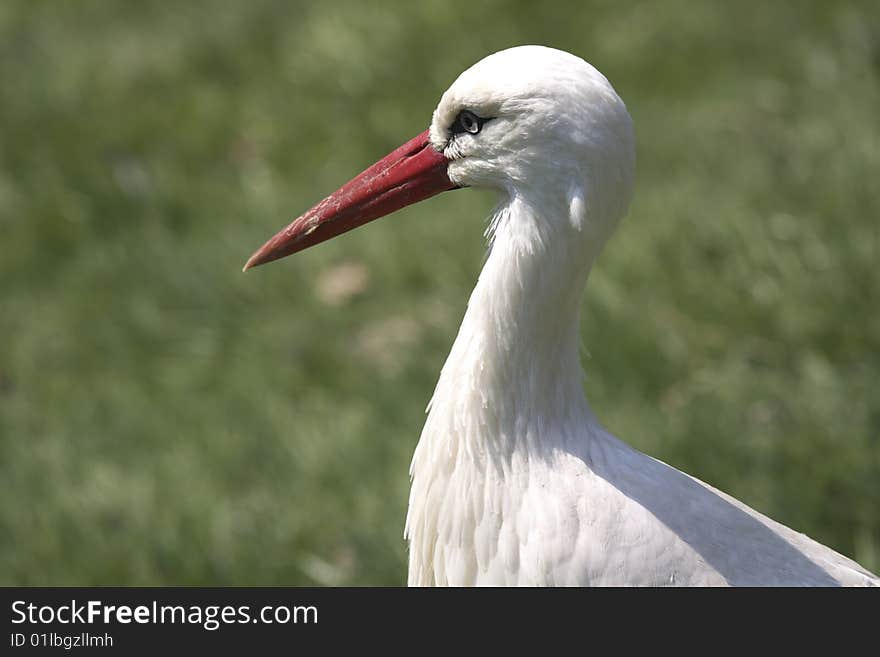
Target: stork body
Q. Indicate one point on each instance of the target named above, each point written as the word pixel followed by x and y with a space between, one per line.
pixel 514 480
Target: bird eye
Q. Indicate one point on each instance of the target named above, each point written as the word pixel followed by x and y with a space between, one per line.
pixel 467 121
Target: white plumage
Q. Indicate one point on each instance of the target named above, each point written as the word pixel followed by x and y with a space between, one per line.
pixel 514 480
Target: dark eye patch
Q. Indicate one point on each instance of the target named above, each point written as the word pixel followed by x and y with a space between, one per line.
pixel 467 122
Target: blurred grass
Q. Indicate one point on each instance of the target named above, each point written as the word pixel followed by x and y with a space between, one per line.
pixel 165 419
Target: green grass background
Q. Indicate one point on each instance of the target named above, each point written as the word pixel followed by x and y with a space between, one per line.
pixel 165 419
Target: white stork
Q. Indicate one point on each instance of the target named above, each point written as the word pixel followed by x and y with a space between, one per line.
pixel 514 481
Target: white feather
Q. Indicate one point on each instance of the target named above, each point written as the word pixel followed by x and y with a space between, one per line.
pixel 513 480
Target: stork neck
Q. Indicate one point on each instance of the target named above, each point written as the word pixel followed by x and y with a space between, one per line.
pixel 514 369
pixel 529 292
pixel 526 303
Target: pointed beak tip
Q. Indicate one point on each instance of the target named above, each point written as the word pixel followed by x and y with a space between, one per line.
pixel 267 253
pixel 252 262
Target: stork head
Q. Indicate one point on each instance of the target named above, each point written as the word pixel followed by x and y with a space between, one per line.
pixel 533 120
pixel 530 122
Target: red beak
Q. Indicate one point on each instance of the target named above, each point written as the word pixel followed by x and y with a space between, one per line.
pixel 409 174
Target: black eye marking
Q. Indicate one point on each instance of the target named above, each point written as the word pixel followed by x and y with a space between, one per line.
pixel 467 121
